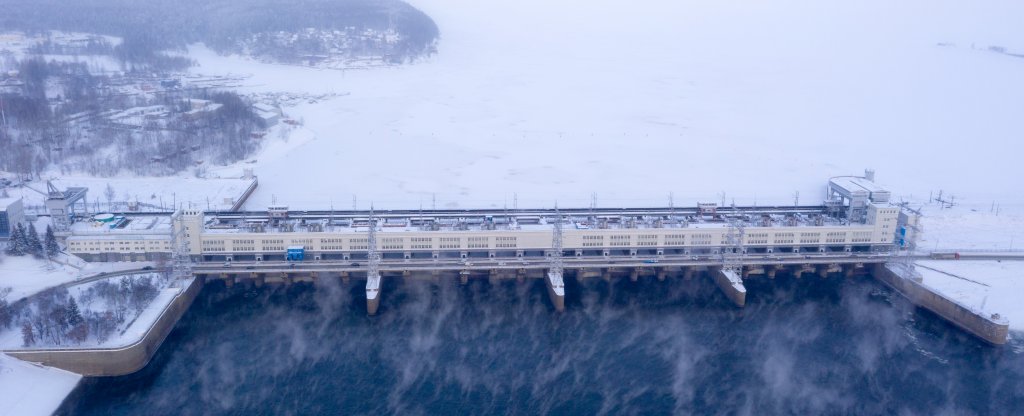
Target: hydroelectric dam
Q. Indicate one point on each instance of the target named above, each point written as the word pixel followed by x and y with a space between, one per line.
pixel 855 230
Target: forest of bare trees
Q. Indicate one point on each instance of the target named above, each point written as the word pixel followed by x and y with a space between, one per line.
pixel 55 317
pixel 43 127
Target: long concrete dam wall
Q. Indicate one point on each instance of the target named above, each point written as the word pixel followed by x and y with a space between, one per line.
pixel 992 329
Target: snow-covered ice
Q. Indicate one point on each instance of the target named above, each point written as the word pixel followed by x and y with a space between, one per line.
pixel 634 102
pixel 28 389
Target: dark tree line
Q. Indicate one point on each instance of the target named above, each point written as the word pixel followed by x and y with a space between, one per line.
pixel 25 240
pixel 6 311
pixel 94 45
pixel 150 26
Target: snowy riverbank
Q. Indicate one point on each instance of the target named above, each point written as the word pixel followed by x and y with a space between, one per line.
pixel 28 389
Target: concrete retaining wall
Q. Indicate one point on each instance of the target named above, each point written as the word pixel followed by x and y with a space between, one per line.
pixel 975 322
pixel 117 361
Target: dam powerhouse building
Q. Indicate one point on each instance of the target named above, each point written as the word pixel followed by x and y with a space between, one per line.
pixel 855 229
pixel 855 218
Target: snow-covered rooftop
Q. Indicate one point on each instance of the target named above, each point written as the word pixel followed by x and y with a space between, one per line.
pixel 133 225
pixel 6 202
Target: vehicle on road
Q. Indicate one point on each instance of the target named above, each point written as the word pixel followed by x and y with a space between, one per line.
pixel 354 265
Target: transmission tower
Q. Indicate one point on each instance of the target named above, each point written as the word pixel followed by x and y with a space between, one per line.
pixel 555 257
pixel 181 262
pixel 732 253
pixel 372 255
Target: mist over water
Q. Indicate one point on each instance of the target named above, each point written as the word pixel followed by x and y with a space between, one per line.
pixel 808 346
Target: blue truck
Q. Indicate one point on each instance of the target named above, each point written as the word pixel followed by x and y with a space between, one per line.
pixel 295 253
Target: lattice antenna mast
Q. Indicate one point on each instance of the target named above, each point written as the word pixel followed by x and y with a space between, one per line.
pixel 556 244
pixel 672 205
pixel 181 262
pixel 372 255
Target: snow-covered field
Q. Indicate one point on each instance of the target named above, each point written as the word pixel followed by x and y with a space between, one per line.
pixel 988 286
pixel 27 276
pixel 29 389
pixel 972 226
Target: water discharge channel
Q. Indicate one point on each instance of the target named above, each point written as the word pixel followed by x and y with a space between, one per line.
pixel 807 346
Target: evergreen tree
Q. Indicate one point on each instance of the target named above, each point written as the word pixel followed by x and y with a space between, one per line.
pixel 14 243
pixel 72 314
pixel 6 314
pixel 23 238
pixel 32 243
pixel 52 248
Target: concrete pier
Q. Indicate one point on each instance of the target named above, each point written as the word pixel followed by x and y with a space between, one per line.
pixel 372 294
pixel 556 290
pixel 806 268
pixel 731 285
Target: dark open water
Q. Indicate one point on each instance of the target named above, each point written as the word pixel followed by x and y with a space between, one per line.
pixel 807 346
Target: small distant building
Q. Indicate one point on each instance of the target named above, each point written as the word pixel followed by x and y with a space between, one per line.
pixel 270 115
pixel 170 83
pixel 198 108
pixel 12 212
